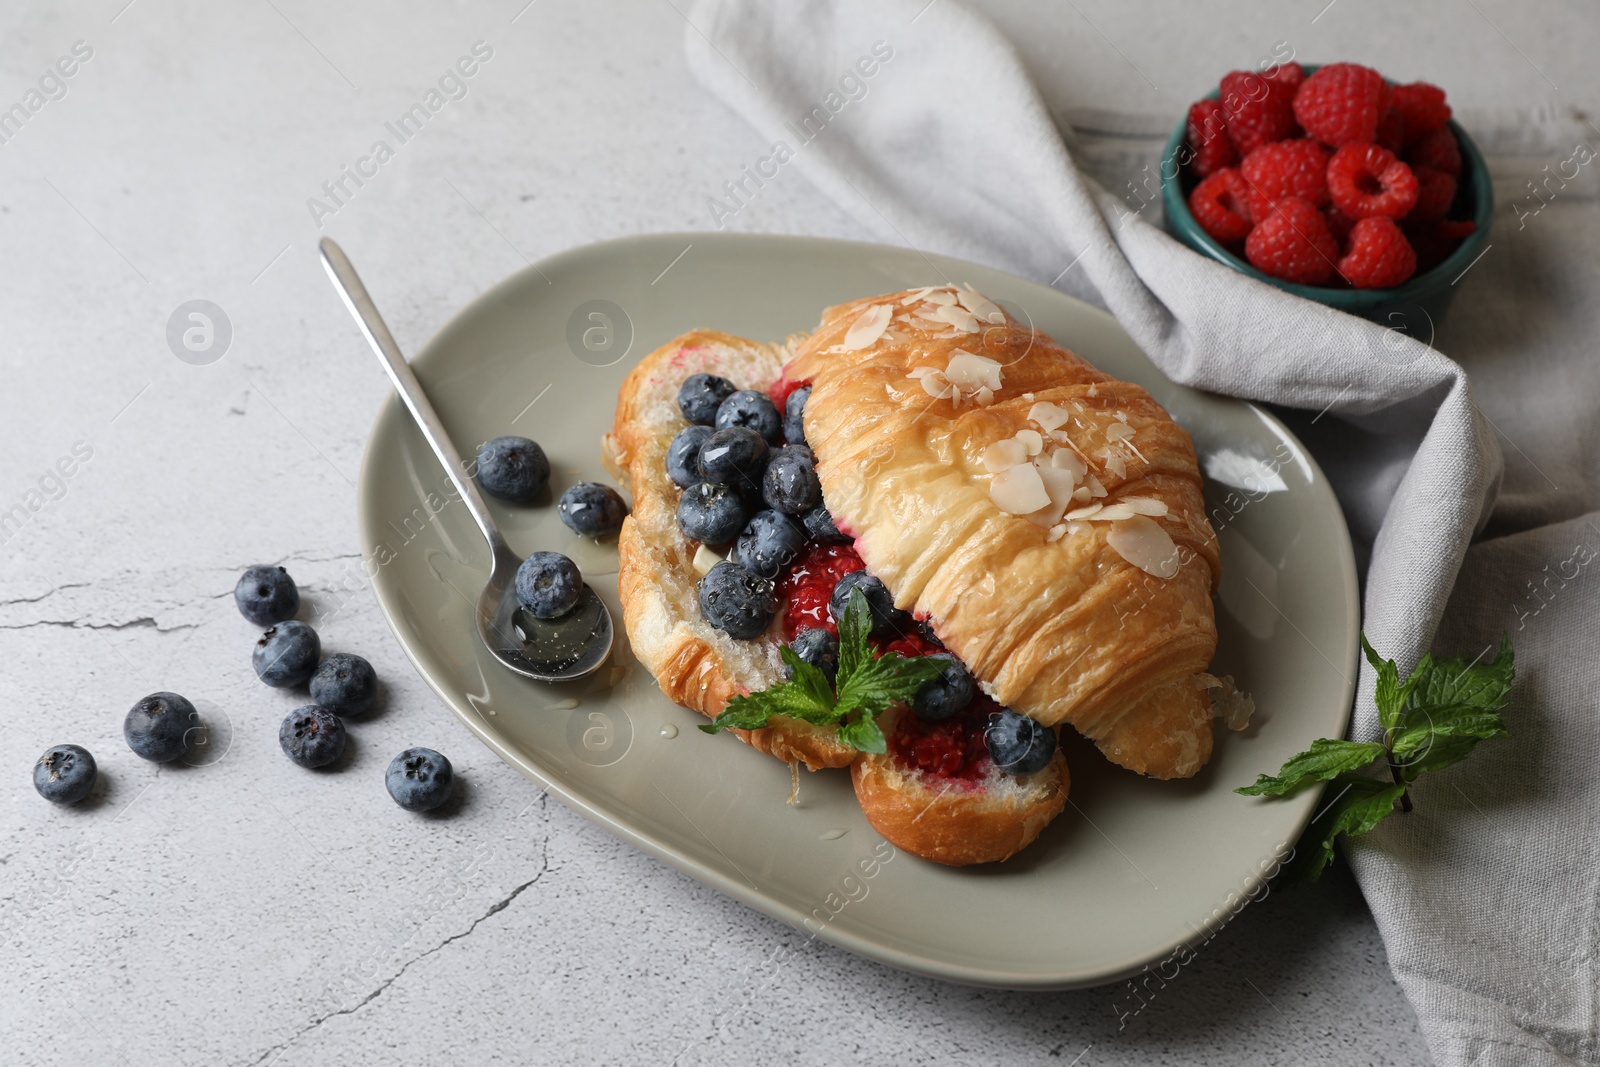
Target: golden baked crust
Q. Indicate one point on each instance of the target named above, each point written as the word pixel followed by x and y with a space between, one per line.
pixel 1064 630
pixel 695 665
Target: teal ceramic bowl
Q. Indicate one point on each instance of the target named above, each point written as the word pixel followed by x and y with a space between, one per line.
pixel 1415 307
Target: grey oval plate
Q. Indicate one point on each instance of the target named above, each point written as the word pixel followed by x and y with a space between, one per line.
pixel 1133 872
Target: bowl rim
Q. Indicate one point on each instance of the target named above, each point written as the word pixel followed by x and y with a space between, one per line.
pixel 1176 206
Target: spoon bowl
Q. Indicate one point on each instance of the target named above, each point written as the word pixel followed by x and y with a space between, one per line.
pixel 563 649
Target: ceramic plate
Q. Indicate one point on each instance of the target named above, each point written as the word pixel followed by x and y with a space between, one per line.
pixel 1134 871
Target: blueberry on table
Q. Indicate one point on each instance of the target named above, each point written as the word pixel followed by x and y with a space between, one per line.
pixel 734 456
pixel 701 395
pixel 312 736
pixel 769 541
pixel 790 483
pixel 345 684
pixel 683 455
pixel 711 514
pixel 592 509
pixel 157 727
pixel 820 526
pixel 735 601
pixel 819 648
pixel 287 654
pixel 949 692
pixel 64 774
pixel 794 428
pixel 419 779
pixel 753 410
pixel 1017 744
pixel 548 585
pixel 266 595
pixel 886 618
pixel 513 469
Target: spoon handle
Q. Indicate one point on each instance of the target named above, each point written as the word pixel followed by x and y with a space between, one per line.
pixel 405 381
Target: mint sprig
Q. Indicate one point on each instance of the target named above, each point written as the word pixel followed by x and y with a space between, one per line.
pixel 864 688
pixel 1434 718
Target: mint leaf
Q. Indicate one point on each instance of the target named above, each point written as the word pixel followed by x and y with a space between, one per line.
pixel 865 734
pixel 1325 759
pixel 890 679
pixel 807 677
pixel 1359 804
pixel 1390 695
pixel 854 629
pixel 1479 685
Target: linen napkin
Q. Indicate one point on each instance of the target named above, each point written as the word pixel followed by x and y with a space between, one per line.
pixel 919 119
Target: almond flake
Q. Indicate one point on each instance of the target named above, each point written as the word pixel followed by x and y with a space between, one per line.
pixel 969 371
pixel 1059 484
pixel 959 317
pixel 867 328
pixel 1082 494
pixel 1144 505
pixel 1094 486
pixel 1143 543
pixel 1003 454
pixel 1018 490
pixel 1086 512
pixel 939 296
pixel 1057 532
pixel 1049 416
pixel 704 560
pixel 1031 441
pixel 984 396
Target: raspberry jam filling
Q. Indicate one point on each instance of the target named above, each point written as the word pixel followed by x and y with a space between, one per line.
pixel 955 749
pixel 779 390
pixel 808 583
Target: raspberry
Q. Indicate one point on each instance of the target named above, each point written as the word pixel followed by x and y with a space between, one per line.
pixel 1431 249
pixel 1208 139
pixel 1365 180
pixel 1339 224
pixel 1380 257
pixel 1341 103
pixel 1289 75
pixel 808 583
pixel 1258 109
pixel 1286 168
pixel 1221 205
pixel 1437 150
pixel 1293 243
pixel 1436 191
pixel 1423 108
pixel 1391 131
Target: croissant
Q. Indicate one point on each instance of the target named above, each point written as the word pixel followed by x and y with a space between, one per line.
pixel 1044 517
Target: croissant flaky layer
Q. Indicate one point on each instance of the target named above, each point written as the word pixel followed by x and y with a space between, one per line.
pixel 909 430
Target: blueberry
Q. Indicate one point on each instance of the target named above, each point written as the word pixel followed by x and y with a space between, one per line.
pixel 735 456
pixel 312 736
pixel 820 526
pixel 548 585
pixel 513 468
pixel 1017 744
pixel 769 541
pixel 819 648
pixel 592 509
pixel 886 618
pixel 943 696
pixel 737 602
pixel 157 727
pixel 712 514
pixel 790 483
pixel 287 654
pixel 64 774
pixel 345 684
pixel 700 395
pixel 794 428
pixel 419 779
pixel 683 455
pixel 752 409
pixel 266 595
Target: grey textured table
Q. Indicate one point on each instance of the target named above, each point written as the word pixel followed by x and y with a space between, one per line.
pixel 241 911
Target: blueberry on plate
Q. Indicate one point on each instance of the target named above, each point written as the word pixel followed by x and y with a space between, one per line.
pixel 683 455
pixel 711 514
pixel 794 428
pixel 157 728
pixel 1017 744
pixel 735 601
pixel 700 395
pixel 819 648
pixel 64 774
pixel 345 684
pixel 949 692
pixel 769 541
pixel 287 654
pixel 266 595
pixel 886 618
pixel 734 456
pixel 513 469
pixel 790 483
pixel 548 585
pixel 312 736
pixel 754 410
pixel 419 779
pixel 592 509
pixel 820 526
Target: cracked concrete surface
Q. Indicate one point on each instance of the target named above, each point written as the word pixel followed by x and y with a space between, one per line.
pixel 241 910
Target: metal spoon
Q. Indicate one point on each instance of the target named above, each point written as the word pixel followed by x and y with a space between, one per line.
pixel 546 650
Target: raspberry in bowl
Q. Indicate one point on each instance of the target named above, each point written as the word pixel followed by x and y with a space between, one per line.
pixel 1333 184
